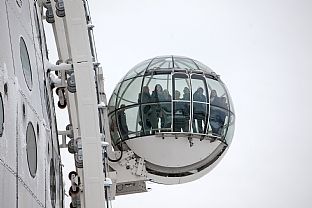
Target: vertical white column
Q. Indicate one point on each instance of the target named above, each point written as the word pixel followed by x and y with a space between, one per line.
pixel 86 103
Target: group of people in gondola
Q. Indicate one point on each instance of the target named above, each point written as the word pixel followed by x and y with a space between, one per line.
pixel 154 106
pixel 157 106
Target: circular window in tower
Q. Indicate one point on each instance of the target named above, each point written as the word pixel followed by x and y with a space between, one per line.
pixel 25 63
pixel 31 149
pixel 1 115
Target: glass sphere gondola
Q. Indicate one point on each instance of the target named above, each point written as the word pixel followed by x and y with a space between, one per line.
pixel 174 112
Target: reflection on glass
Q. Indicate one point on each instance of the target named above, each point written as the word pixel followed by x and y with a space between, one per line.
pixel 218 96
pixel 128 93
pixel 157 85
pixel 150 117
pixel 230 129
pixel 159 95
pixel 200 99
pixel 112 101
pixel 181 116
pixel 129 122
pixel 200 114
pixel 165 115
pixel 138 70
pixel 217 120
pixel 182 85
pixel 199 88
pixel 122 123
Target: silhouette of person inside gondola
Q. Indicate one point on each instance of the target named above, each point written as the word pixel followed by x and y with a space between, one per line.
pixel 165 118
pixel 157 95
pixel 217 113
pixel 181 113
pixel 122 123
pixel 145 110
pixel 199 110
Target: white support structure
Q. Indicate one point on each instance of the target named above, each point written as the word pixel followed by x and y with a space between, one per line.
pixel 83 110
pixel 86 109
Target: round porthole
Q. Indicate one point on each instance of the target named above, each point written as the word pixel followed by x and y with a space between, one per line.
pixel 31 149
pixel 1 116
pixel 52 183
pixel 25 63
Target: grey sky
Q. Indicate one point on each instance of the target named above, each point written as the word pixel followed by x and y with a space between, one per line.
pixel 263 52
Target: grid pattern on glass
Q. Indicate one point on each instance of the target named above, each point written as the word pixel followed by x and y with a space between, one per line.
pixel 159 88
pixel 218 120
pixel 129 122
pixel 175 100
pixel 203 67
pixel 164 62
pixel 138 69
pixel 166 116
pixel 25 63
pixel 184 63
pixel 114 128
pixel 31 149
pixel 200 99
pixel 129 91
pixel 1 115
pixel 218 95
pixel 112 100
pixel 181 104
pixel 230 101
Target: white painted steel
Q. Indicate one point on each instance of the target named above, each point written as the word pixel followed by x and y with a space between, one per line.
pixel 80 53
pixel 18 188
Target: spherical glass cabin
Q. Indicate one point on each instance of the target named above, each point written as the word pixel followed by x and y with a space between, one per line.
pixel 174 112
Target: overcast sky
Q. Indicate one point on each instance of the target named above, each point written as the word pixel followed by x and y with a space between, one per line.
pixel 263 52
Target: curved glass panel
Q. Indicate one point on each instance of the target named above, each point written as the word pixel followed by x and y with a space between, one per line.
pixel 138 70
pixel 218 120
pixel 128 121
pixel 230 129
pixel 161 63
pixel 31 149
pixel 170 94
pixel 218 95
pixel 230 101
pixel 159 87
pixel 166 115
pixel 184 63
pixel 203 67
pixel 1 116
pixel 112 100
pixel 200 99
pixel 181 102
pixel 129 91
pixel 25 63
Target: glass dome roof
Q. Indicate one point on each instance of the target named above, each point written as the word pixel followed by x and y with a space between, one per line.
pixel 170 94
pixel 167 63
